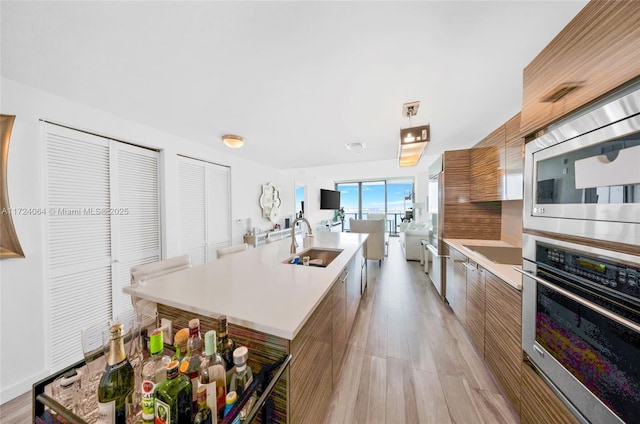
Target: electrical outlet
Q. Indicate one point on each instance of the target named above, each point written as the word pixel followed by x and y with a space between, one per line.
pixel 239 221
pixel 167 330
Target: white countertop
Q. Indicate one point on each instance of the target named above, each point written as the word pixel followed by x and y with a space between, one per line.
pixel 502 271
pixel 254 288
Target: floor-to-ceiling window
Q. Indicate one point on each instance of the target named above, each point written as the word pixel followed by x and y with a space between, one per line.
pixel 391 198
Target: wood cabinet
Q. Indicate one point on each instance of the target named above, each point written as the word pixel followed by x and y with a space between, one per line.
pixel 598 51
pixel 503 334
pixel 514 160
pixel 540 405
pixel 488 167
pixel 497 164
pixel 457 284
pixel 475 324
pixel 354 287
pixel 339 332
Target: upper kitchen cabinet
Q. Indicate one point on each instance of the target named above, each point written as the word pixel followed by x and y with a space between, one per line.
pixel 514 159
pixel 497 164
pixel 487 167
pixel 597 52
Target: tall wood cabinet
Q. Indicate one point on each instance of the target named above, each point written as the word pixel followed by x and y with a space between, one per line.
pixel 594 54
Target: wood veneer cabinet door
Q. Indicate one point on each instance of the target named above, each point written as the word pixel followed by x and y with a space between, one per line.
pixel 540 405
pixel 514 160
pixel 488 168
pixel 476 305
pixel 457 285
pixel 597 52
pixel 503 334
pixel 339 325
pixel 354 281
pixel 311 377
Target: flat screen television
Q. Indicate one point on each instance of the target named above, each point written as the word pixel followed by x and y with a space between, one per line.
pixel 329 199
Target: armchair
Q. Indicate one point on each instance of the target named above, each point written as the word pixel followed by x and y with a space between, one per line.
pixel 375 243
pixel 410 237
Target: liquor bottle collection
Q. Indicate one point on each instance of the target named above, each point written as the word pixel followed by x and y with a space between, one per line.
pixel 196 385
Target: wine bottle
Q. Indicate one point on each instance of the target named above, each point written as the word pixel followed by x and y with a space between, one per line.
pixel 116 384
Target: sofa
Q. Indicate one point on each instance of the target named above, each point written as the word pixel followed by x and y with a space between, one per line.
pixel 411 234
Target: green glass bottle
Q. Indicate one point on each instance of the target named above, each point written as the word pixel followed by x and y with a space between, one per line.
pixel 173 397
pixel 116 384
pixel 204 415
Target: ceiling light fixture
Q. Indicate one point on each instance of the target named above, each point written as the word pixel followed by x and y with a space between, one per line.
pixel 413 140
pixel 233 141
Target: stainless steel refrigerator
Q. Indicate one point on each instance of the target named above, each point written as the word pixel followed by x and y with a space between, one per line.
pixel 436 259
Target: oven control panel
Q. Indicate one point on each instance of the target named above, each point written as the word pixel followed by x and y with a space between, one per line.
pixel 620 277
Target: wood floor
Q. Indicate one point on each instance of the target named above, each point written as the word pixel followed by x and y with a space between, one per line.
pixel 408 360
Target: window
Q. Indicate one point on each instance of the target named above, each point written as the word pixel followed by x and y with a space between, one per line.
pixel 392 198
pixel 103 216
pixel 205 208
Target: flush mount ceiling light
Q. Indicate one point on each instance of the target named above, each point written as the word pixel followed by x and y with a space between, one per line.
pixel 413 140
pixel 233 141
pixel 356 145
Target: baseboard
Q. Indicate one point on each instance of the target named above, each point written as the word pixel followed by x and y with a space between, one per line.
pixel 21 387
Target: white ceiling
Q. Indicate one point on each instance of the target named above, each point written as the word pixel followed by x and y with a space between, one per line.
pixel 297 79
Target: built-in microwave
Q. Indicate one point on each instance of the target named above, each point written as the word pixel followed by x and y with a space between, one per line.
pixel 582 177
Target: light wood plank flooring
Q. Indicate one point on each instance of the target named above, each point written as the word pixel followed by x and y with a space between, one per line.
pixel 408 360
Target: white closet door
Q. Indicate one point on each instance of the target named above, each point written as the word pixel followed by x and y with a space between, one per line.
pixel 136 215
pixel 193 209
pixel 205 209
pixel 219 201
pixel 79 242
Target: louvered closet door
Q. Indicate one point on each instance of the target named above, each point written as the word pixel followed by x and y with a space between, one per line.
pixel 193 209
pixel 136 207
pixel 105 195
pixel 219 203
pixel 79 243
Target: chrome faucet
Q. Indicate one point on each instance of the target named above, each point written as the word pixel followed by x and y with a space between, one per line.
pixel 294 243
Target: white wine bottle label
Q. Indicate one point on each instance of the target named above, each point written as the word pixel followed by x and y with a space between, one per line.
pixel 107 412
pixel 163 412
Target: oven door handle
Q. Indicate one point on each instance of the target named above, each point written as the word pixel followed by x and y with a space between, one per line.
pixel 584 302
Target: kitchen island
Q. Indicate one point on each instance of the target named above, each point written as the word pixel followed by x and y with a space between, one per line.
pixel 275 308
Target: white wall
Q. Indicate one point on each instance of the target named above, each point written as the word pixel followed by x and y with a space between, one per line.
pixel 23 297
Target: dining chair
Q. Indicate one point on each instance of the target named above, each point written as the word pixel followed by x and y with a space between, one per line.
pixel 224 251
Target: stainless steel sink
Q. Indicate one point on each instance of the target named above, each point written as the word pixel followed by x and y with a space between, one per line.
pixel 499 254
pixel 320 257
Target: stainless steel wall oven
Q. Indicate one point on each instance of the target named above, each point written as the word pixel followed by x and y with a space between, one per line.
pixel 581 325
pixel 582 178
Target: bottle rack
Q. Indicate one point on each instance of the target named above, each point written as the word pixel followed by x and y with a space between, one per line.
pixel 47 410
